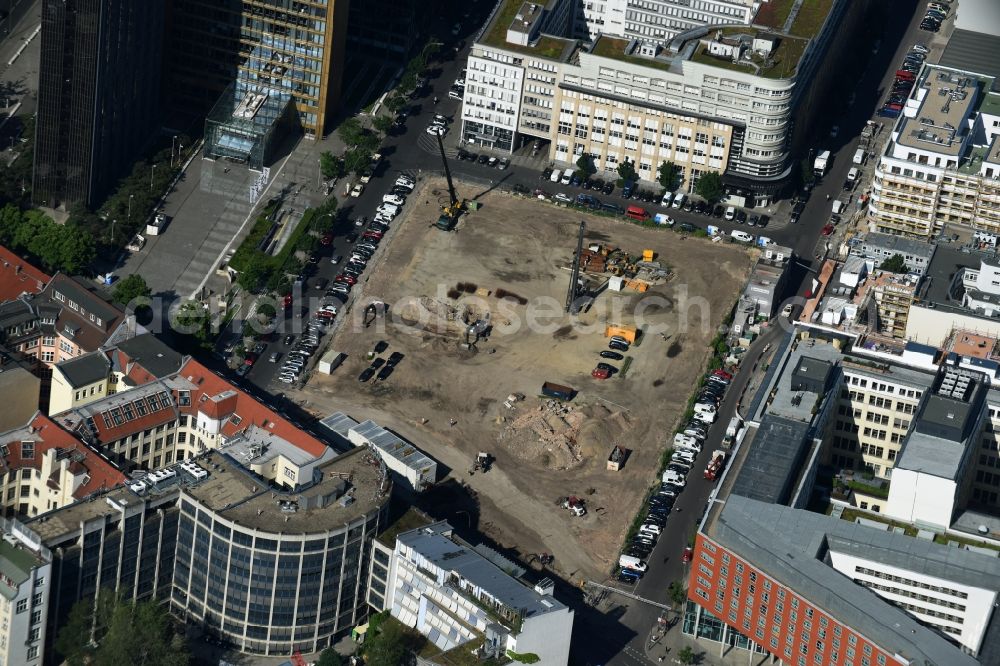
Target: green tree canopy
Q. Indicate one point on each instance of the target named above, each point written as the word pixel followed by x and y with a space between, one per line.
pixel 115 631
pixel 667 174
pixel 585 166
pixel 626 171
pixel 329 165
pixel 132 287
pixel 686 655
pixel 709 187
pixel 66 248
pixel 357 160
pixel 350 131
pixel 894 264
pixel 395 103
pixel 382 123
pixel 387 647
pixel 330 657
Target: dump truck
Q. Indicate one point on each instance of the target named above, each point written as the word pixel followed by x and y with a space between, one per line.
pixel 558 391
pixel 715 466
pixel 821 163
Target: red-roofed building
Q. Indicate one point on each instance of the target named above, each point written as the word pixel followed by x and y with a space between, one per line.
pixel 45 467
pixel 18 277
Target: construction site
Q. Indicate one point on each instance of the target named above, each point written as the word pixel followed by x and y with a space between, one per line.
pixel 502 320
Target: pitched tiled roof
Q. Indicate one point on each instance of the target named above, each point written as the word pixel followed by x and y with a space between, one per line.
pixel 67 292
pixel 17 276
pixel 45 435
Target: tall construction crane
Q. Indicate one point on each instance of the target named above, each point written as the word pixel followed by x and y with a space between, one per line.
pixel 449 213
pixel 571 305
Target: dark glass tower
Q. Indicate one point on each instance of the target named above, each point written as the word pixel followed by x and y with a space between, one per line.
pixel 98 95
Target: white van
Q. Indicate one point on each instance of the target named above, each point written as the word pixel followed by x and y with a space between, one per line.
pixel 566 177
pixel 556 175
pixel 838 206
pixel 741 236
pixel 667 198
pixel 859 156
pixel 629 562
pixel 679 200
pixel 852 175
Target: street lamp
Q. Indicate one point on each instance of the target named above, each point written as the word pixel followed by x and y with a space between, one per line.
pixel 130 208
pixel 113 231
pixel 173 147
pixel 152 170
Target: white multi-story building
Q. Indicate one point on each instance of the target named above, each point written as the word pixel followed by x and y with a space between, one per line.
pixel 720 96
pixel 24 597
pixel 455 595
pixel 657 20
pixel 942 162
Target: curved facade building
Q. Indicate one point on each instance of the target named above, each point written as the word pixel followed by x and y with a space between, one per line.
pixel 273 586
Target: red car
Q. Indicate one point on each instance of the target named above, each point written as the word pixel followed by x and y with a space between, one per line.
pixel 346 279
pixel 688 554
pixel 250 359
pixel 326 239
pixel 325 314
pixel 723 374
pixel 600 373
pixel 287 301
pixel 372 235
pixel 827 230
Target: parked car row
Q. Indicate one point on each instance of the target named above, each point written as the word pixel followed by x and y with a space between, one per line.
pixel 687 445
pixel 933 18
pixel 615 345
pixel 903 83
pixel 484 159
pixel 298 357
pixel 381 368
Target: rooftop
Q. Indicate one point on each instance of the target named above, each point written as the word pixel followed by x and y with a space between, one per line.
pixel 149 352
pixel 948 100
pixel 791 546
pixel 546 46
pixel 85 370
pixel 16 564
pixel 17 276
pixel 898 245
pixel 782 63
pixel 971 51
pixel 433 544
pixel 618 49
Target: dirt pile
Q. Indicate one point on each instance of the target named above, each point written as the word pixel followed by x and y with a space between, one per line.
pixel 558 435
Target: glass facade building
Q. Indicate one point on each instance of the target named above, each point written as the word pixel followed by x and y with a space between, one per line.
pixel 245 126
pixel 98 96
pixel 271 593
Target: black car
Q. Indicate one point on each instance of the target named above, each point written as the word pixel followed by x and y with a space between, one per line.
pixel 483 159
pixel 351 237
pixel 381 346
pixel 752 221
pixel 597 184
pixel 546 174
pixel 607 366
pixel 686 226
pixel 741 216
pixel 614 356
pixel 608 188
pixel 617 346
pixel 384 373
pixel 763 220
pixel 366 374
pixel 718 211
pixel 700 207
pixel 587 184
pixel 395 358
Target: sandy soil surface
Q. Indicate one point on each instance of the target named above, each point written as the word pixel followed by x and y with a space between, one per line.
pixel 450 401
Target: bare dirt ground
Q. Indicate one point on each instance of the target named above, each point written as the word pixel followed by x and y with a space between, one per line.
pixel 449 401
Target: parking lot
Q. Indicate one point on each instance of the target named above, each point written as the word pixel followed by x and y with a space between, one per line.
pixel 507 264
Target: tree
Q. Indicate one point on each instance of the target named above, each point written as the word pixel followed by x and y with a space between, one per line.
pixel 123 632
pixel 257 272
pixel 668 174
pixel 329 165
pixel 387 647
pixel 395 103
pixel 382 123
pixel 131 288
pixel 686 655
pixel 626 171
pixel 357 160
pixel 676 592
pixel 894 264
pixel 709 187
pixel 585 166
pixel 330 657
pixel 350 131
pixel 368 141
pixel 806 172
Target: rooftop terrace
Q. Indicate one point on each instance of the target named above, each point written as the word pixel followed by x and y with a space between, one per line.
pixel 546 46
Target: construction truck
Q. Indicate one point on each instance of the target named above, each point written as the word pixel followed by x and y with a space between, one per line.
pixel 731 430
pixel 482 463
pixel 451 212
pixel 574 505
pixel 715 466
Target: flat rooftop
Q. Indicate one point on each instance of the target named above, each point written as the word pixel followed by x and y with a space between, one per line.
pixel 790 545
pixel 897 245
pixel 16 563
pixel 974 51
pixel 948 100
pixel 503 17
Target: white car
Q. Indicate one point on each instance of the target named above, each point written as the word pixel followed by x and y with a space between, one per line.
pixel 387 209
pixel 460 81
pixel 730 214
pixel 438 130
pixel 667 198
pixel 562 198
pixel 741 236
pixel 393 199
pixel 705 417
pixel 651 529
pixel 454 95
pixel 357 190
pixel 404 179
pixel 405 184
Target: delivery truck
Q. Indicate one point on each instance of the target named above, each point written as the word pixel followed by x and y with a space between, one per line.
pixel 821 163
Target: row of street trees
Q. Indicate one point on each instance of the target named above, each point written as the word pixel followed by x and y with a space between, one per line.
pixel 708 186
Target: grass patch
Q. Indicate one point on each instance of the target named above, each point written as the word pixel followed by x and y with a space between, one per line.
pixel 245 252
pixel 867 489
pixel 410 520
pixel 780 65
pixel 773 14
pixel 945 538
pixel 851 514
pixel 810 18
pixel 545 47
pixel 611 47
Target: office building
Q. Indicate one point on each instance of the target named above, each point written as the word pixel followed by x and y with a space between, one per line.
pixel 466 598
pixel 385 29
pixel 253 529
pixel 720 98
pixel 25 580
pixel 98 96
pixel 903 567
pixel 766 284
pixel 878 247
pixel 942 163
